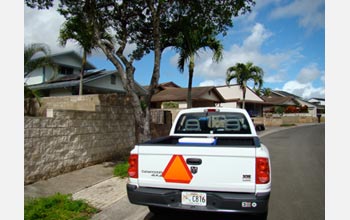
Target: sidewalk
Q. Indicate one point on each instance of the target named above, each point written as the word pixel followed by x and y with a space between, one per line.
pixel 96 184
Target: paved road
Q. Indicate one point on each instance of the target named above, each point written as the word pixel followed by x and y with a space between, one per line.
pixel 297 157
pixel 298 163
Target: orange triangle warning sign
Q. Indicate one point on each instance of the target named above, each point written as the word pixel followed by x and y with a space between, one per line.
pixel 177 171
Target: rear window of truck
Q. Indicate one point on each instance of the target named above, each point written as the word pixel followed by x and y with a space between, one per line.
pixel 212 123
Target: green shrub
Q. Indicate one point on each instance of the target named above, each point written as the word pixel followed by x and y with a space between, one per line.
pixel 170 105
pixel 121 169
pixel 58 206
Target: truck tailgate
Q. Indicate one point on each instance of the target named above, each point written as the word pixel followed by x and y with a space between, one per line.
pixel 200 168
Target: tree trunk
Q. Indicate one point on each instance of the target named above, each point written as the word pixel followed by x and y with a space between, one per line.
pixel 190 78
pixel 82 73
pixel 244 92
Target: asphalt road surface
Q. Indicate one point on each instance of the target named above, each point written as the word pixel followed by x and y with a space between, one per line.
pixel 298 182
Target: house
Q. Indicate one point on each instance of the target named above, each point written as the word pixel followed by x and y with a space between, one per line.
pixel 285 100
pixel 68 63
pixel 224 96
pixel 320 104
pixel 66 80
pixel 233 96
pixel 169 92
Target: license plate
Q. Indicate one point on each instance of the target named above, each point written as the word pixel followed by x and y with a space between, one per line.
pixel 194 198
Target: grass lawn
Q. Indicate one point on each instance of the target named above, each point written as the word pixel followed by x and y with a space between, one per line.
pixel 58 206
pixel 121 169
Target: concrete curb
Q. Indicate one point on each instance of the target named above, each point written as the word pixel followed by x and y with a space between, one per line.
pixel 271 130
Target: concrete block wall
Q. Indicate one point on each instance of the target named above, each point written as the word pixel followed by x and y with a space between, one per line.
pixel 279 120
pixel 72 139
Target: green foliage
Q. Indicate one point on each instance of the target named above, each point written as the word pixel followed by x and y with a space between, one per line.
pixel 121 169
pixel 266 92
pixel 244 73
pixel 279 110
pixel 58 206
pixel 30 63
pixel 170 105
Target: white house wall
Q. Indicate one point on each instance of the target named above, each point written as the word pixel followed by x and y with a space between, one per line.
pixel 35 77
pixel 228 105
pixel 235 92
pixel 105 83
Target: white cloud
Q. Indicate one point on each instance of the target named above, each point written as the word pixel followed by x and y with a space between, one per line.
pixel 250 50
pixel 306 90
pixel 303 85
pixel 42 26
pixel 308 74
pixel 276 78
pixel 218 82
pixel 311 13
pixel 258 36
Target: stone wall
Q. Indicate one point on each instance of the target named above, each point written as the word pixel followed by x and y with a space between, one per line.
pixel 161 123
pixel 72 139
pixel 279 120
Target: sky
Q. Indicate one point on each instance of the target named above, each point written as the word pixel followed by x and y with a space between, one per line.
pixel 286 38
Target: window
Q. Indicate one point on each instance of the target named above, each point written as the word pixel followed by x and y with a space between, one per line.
pixel 213 123
pixel 113 79
pixel 65 70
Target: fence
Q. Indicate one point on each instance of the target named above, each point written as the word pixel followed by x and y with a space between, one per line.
pixel 73 132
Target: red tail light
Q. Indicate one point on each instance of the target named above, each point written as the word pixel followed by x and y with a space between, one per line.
pixel 133 166
pixel 262 175
pixel 211 110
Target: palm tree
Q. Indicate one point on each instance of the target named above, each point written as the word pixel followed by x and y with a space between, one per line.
pixel 79 29
pixel 31 63
pixel 244 73
pixel 189 43
pixel 266 92
pixel 30 51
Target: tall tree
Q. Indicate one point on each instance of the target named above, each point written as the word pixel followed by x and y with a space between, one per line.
pixel 150 25
pixel 244 73
pixel 79 29
pixel 190 41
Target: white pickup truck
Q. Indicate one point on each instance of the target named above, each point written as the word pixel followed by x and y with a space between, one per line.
pixel 211 161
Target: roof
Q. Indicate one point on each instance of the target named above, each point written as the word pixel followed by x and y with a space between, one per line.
pixel 284 93
pixel 163 86
pixel 73 80
pixel 320 99
pixel 279 100
pixel 168 84
pixel 88 65
pixel 180 94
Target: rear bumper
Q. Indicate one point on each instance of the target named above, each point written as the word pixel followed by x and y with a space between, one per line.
pixel 216 201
